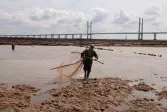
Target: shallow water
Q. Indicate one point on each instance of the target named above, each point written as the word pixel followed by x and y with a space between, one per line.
pixel 7 110
pixel 31 64
pixel 150 95
pixel 40 98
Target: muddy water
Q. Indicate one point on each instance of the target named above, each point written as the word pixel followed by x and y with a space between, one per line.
pixel 31 64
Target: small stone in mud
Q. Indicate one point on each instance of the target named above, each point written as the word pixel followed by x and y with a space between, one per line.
pixel 159 104
pixel 142 105
pixel 159 99
pixel 163 78
pixel 141 79
pixel 152 99
pixel 136 80
pixel 110 50
pixel 102 109
pixel 143 87
pixel 128 81
pixel 25 88
pixel 35 94
pixel 146 99
pixel 153 84
pixel 162 94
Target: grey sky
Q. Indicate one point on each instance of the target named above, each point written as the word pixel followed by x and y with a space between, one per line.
pixel 55 16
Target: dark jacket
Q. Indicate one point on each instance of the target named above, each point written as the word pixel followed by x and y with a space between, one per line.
pixel 87 55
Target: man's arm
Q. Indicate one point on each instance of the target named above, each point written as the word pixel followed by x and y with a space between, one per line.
pixel 83 53
pixel 95 55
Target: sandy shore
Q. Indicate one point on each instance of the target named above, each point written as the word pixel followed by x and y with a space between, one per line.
pixel 94 95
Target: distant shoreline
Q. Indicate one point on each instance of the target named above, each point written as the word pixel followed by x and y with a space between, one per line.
pixel 83 42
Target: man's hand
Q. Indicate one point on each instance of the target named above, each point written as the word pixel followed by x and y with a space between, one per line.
pixel 96 59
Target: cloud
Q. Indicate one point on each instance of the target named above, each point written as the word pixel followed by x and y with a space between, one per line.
pixel 52 20
pixel 123 18
pixel 156 23
pixel 12 19
pixel 14 16
pixel 36 14
pixel 152 13
pixel 10 22
pixel 99 14
pixel 47 14
pixel 71 17
pixel 56 15
pixel 56 18
pixel 41 20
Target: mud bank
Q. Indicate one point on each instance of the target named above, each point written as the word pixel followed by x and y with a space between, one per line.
pixel 15 97
pixel 100 95
pixel 81 42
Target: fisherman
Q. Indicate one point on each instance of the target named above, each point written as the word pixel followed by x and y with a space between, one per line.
pixel 13 46
pixel 87 56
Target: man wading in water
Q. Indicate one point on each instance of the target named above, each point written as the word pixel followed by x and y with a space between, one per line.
pixel 13 46
pixel 87 56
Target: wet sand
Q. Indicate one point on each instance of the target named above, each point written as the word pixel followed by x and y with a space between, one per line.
pixel 103 94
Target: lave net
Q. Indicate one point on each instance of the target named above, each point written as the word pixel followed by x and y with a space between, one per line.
pixel 70 68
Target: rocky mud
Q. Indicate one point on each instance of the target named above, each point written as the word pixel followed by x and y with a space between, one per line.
pixel 143 87
pixel 15 97
pixel 94 95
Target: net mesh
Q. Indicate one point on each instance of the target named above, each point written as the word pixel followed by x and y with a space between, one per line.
pixel 70 68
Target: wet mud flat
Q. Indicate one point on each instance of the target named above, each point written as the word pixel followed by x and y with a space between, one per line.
pixel 15 97
pixel 100 95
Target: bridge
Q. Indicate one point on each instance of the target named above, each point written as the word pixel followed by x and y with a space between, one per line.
pixel 72 35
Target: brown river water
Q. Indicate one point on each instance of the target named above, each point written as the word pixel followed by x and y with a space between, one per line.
pixel 32 64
